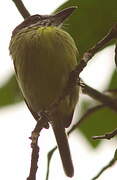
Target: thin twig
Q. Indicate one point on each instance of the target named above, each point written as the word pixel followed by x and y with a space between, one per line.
pixel 111 93
pixel 111 163
pixel 34 161
pixel 84 116
pixel 112 34
pixel 104 99
pixel 106 136
pixel 42 123
pixel 116 55
pixel 21 8
pixel 87 56
pixel 49 160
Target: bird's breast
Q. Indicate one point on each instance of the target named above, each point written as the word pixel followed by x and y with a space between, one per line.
pixel 43 58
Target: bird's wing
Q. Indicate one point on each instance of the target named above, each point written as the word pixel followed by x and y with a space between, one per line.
pixel 34 114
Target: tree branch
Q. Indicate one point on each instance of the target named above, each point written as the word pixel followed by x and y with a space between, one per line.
pixel 112 34
pixel 116 55
pixel 104 99
pixel 106 136
pixel 50 154
pixel 21 8
pixel 41 123
pixel 110 164
pixel 34 161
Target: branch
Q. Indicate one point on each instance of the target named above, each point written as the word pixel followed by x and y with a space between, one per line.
pixel 21 8
pixel 116 55
pixel 111 163
pixel 41 123
pixel 106 136
pixel 91 110
pixel 50 154
pixel 112 34
pixel 85 115
pixel 34 161
pixel 104 99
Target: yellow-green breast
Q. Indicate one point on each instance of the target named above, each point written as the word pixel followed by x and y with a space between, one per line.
pixel 43 58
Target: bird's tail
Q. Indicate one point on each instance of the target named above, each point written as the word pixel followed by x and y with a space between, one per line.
pixel 63 147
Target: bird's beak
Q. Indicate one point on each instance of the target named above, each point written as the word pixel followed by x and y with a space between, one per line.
pixel 63 15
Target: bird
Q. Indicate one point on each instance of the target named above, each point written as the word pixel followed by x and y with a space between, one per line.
pixel 44 55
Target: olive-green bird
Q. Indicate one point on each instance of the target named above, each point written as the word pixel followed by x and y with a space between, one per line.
pixel 44 55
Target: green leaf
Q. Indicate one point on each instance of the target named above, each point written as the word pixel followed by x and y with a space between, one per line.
pixel 91 21
pixel 115 155
pixel 10 93
pixel 98 123
pixel 113 82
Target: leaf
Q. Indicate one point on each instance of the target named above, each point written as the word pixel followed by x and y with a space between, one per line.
pixel 107 166
pixel 101 122
pixel 10 93
pixel 113 82
pixel 91 21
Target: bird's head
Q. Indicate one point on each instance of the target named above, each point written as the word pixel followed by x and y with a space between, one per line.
pixel 45 20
